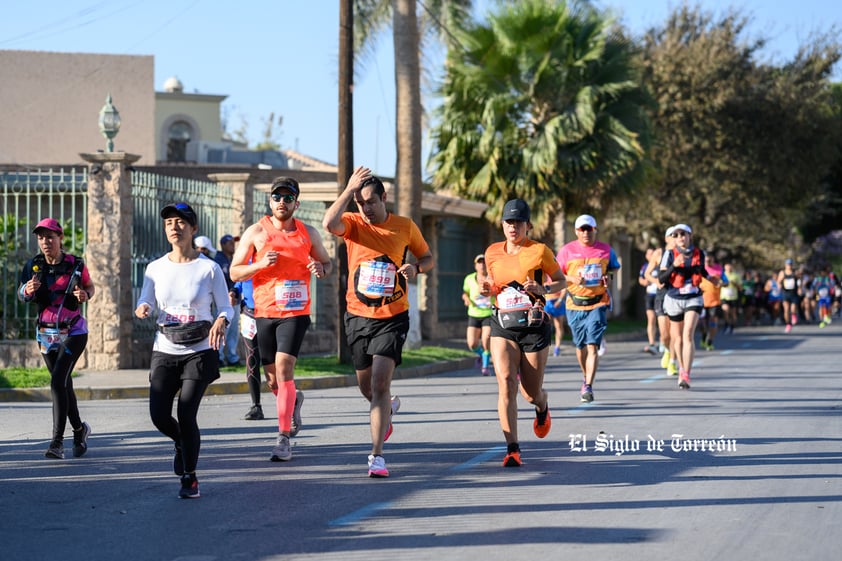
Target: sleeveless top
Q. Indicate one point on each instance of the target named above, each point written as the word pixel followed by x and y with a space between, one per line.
pixel 283 289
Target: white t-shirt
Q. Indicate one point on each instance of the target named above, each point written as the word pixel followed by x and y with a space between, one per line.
pixel 184 292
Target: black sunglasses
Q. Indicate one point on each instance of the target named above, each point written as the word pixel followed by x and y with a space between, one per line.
pixel 288 198
pixel 585 228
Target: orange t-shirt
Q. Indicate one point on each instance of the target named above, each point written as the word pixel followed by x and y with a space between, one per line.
pixel 375 253
pixel 283 289
pixel 505 268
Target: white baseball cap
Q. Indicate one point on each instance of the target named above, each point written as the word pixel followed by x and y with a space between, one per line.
pixel 683 227
pixel 206 243
pixel 585 220
pixel 670 230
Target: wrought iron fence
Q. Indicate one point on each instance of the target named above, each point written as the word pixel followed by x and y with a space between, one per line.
pixel 27 196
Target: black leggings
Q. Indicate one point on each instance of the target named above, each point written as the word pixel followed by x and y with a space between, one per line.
pixel 60 363
pixel 253 368
pixel 185 431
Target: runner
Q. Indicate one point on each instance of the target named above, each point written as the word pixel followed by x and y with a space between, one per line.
pixel 669 358
pixel 183 286
pixel 57 283
pixel 587 264
pixel 280 254
pixel 712 300
pixel 788 280
pixel 556 309
pixel 478 335
pixel 683 269
pixel 520 330
pixel 377 319
pixel 650 283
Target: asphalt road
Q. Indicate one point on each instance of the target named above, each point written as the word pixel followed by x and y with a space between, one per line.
pixel 768 404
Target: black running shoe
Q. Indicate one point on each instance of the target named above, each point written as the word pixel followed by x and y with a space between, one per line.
pixel 178 461
pixel 189 487
pixel 80 440
pixel 255 413
pixel 56 450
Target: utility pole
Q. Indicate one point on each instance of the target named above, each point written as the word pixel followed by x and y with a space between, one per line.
pixel 345 157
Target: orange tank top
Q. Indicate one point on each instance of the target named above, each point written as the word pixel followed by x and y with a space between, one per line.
pixel 283 289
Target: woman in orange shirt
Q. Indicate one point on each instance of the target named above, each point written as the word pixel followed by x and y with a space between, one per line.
pixel 520 330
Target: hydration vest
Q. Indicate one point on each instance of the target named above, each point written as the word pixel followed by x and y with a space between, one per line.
pixel 695 269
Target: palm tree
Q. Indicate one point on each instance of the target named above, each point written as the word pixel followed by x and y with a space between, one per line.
pixel 408 30
pixel 541 103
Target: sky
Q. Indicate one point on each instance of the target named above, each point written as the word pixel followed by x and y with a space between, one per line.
pixel 281 56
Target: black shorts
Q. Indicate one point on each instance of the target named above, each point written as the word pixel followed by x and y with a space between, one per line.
pixel 792 298
pixel 714 312
pixel 368 337
pixel 280 335
pixel 479 323
pixel 203 365
pixel 650 301
pixel 530 339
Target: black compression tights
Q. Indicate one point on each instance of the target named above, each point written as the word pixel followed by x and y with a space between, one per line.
pixel 60 363
pixel 185 431
pixel 253 368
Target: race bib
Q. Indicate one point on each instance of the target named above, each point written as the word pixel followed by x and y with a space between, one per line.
pixel 482 302
pixel 511 299
pixel 177 314
pixel 688 289
pixel 789 284
pixel 248 327
pixel 291 295
pixel 592 273
pixel 377 279
pixel 824 292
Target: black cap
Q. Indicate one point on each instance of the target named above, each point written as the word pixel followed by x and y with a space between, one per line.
pixel 516 209
pixel 180 209
pixel 285 183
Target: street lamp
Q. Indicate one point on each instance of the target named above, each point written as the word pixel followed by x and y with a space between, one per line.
pixel 109 122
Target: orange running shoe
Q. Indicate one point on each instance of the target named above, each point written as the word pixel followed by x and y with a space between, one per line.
pixel 512 460
pixel 542 429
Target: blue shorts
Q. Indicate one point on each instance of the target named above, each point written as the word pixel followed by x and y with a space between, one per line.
pixel 556 308
pixel 587 326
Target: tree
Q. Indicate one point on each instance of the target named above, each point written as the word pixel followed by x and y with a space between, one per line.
pixel 740 146
pixel 541 103
pixel 407 30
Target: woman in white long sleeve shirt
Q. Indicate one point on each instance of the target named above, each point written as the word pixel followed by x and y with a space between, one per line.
pixel 183 287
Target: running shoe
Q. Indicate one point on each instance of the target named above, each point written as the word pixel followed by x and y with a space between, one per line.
pixel 478 362
pixel 665 359
pixel 282 452
pixel 377 466
pixel 80 440
pixel 788 328
pixel 586 393
pixel 486 371
pixel 56 450
pixel 557 351
pixel 601 350
pixel 542 423
pixel 178 461
pixel 189 487
pixel 794 319
pixel 684 380
pixel 672 369
pixel 651 350
pixel 822 324
pixel 295 426
pixel 255 413
pixel 512 459
pixel 396 405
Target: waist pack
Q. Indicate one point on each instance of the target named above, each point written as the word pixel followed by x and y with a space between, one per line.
pixel 51 338
pixel 186 333
pixel 579 301
pixel 534 316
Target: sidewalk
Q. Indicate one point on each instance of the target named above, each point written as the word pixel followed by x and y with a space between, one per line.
pixel 129 384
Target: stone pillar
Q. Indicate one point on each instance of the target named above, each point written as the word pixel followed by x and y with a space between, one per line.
pixel 242 201
pixel 108 255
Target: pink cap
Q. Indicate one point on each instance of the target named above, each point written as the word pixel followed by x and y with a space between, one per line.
pixel 48 224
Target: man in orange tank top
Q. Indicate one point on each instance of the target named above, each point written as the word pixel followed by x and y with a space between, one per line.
pixel 377 320
pixel 280 254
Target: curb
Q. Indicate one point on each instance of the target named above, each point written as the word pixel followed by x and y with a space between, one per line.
pixel 229 388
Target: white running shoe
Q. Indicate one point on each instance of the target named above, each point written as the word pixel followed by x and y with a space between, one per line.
pixel 377 466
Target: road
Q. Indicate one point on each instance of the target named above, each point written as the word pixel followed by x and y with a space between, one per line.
pixel 768 404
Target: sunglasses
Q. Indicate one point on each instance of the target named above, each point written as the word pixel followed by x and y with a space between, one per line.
pixel 288 198
pixel 680 234
pixel 585 229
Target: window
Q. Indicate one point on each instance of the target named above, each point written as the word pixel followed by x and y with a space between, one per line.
pixel 178 135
